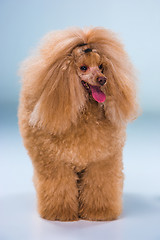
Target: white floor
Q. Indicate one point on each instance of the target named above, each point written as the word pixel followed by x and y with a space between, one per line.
pixel 141 214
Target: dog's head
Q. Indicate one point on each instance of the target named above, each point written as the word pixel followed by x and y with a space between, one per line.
pixel 70 68
pixel 89 66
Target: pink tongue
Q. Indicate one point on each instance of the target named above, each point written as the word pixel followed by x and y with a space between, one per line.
pixel 97 94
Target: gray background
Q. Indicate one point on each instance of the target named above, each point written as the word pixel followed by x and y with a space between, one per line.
pixel 22 24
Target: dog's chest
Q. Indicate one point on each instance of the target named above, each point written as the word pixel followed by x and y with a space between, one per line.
pixel 92 140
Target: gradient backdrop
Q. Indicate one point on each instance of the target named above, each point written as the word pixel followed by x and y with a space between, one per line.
pixel 22 24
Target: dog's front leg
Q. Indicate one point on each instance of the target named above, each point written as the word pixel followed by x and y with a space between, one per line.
pixel 57 194
pixel 101 190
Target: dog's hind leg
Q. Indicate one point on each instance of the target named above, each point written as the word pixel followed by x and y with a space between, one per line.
pixel 58 195
pixel 101 191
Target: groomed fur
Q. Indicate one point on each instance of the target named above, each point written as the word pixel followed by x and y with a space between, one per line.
pixel 76 144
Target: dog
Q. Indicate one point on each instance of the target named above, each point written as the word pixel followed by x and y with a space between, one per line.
pixel 78 94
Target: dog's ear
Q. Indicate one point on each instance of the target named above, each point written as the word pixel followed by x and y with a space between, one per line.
pixel 52 92
pixel 61 99
pixel 121 103
pixel 121 92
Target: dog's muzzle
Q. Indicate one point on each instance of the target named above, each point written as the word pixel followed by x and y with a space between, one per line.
pixel 101 80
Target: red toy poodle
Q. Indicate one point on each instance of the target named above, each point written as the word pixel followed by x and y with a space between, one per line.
pixel 78 93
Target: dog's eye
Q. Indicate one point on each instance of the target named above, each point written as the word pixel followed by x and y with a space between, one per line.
pixel 101 66
pixel 84 68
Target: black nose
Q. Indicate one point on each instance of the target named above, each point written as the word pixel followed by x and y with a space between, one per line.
pixel 101 80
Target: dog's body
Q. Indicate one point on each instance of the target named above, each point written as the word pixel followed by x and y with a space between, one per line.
pixel 78 94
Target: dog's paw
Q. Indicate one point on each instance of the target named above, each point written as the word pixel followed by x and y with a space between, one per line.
pixel 60 215
pixel 99 215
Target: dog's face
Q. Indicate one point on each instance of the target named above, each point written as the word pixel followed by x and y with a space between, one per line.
pixel 90 68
